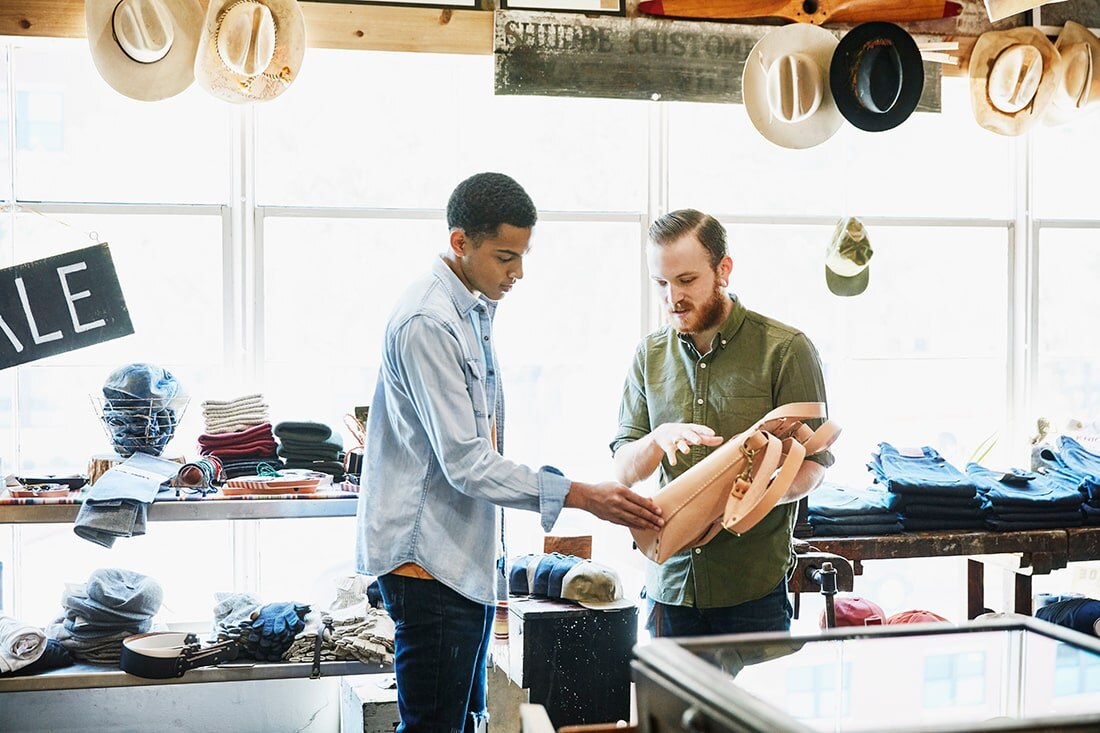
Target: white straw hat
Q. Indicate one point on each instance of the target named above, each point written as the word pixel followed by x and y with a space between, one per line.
pixel 144 49
pixel 1013 75
pixel 251 50
pixel 785 85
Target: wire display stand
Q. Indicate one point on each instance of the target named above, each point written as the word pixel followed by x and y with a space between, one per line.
pixel 139 425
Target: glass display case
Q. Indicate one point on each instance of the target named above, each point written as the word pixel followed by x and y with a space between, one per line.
pixel 1018 674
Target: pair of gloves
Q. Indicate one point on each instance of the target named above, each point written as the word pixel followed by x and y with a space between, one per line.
pixel 271 630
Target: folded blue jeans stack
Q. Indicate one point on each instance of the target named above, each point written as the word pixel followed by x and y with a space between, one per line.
pixel 1072 457
pixel 845 511
pixel 943 497
pixel 1019 500
pixel 1079 614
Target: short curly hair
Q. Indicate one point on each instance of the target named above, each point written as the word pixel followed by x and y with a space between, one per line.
pixel 484 201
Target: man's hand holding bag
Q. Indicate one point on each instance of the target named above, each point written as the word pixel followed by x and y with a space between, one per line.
pixel 739 483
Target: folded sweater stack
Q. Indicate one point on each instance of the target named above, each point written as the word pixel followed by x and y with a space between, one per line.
pixel 231 416
pixel 242 453
pixel 312 446
pixel 99 614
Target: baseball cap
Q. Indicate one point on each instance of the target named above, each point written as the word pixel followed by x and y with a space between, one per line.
pixel 594 586
pixel 1079 614
pixel 518 582
pixel 916 616
pixel 847 258
pixel 550 570
pixel 855 611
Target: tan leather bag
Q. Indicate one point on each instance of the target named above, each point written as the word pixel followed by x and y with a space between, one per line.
pixel 738 483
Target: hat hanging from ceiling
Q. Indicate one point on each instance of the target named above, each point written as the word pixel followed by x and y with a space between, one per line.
pixel 847 258
pixel 1013 77
pixel 785 85
pixel 144 49
pixel 877 76
pixel 1078 87
pixel 251 50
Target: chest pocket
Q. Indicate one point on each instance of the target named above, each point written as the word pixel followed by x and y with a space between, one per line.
pixel 734 414
pixel 475 385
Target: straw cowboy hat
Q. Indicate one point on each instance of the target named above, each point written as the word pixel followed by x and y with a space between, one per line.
pixel 877 76
pixel 250 50
pixel 785 86
pixel 1078 88
pixel 144 49
pixel 1013 77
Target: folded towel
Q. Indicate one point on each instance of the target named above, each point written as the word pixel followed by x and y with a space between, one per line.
pixel 20 644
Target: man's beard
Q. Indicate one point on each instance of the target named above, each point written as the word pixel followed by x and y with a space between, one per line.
pixel 706 316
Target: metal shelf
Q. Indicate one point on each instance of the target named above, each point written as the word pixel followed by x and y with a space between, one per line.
pixel 190 511
pixel 85 676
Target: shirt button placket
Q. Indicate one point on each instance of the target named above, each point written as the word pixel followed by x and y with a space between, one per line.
pixel 700 391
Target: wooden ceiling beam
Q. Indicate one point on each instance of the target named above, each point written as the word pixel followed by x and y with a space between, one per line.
pixel 328 25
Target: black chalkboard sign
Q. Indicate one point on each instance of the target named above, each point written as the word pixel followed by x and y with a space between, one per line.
pixel 60 304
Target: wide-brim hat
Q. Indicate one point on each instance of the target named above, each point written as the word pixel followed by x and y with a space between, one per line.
pixel 237 36
pixel 989 46
pixel 1078 87
pixel 166 55
pixel 876 76
pixel 795 42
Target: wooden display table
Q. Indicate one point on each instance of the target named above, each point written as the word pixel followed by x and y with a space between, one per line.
pixel 1025 553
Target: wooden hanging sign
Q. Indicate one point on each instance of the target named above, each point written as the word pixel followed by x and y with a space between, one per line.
pixel 554 54
pixel 60 304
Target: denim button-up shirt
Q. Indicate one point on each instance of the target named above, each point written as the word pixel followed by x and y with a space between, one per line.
pixel 432 478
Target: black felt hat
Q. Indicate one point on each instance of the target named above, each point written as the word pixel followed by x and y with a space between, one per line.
pixel 876 76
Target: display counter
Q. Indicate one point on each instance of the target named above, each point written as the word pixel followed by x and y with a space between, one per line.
pixel 1018 675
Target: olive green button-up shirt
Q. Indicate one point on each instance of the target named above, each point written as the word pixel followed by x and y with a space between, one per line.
pixel 754 365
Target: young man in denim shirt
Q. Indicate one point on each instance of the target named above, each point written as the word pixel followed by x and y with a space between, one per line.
pixel 711 374
pixel 435 473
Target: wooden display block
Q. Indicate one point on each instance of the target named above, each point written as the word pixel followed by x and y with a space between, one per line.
pixel 574 661
pixel 368 705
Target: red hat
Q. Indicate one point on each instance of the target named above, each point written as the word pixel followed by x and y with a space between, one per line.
pixel 855 611
pixel 916 617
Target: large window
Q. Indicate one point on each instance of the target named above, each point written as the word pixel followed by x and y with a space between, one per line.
pixel 261 249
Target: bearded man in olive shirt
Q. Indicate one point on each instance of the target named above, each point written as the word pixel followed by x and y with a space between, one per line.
pixel 716 370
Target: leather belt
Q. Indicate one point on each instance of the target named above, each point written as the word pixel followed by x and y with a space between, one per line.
pixel 161 655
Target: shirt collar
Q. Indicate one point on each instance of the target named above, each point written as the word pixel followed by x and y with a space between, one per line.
pixel 732 324
pixel 464 300
pixel 726 331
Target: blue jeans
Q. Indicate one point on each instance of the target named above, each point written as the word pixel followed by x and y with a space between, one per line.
pixel 924 475
pixel 441 643
pixel 770 613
